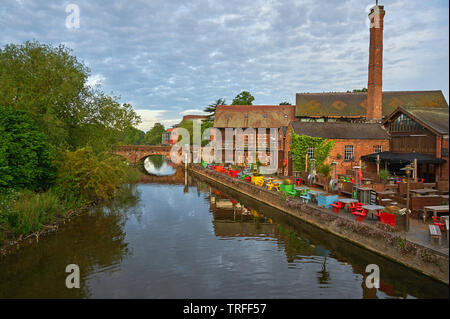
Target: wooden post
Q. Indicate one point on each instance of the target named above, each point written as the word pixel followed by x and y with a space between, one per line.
pixel 408 173
pixel 415 170
pixel 306 164
pixel 378 165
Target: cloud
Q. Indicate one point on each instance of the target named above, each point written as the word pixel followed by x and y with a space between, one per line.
pixel 177 56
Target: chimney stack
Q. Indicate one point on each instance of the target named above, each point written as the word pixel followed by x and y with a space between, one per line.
pixel 375 91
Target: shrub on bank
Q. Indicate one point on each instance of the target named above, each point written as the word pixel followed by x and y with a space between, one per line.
pixel 90 176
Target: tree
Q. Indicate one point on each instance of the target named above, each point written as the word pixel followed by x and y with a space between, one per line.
pixel 357 90
pixel 285 103
pixel 154 136
pixel 212 109
pixel 243 98
pixel 50 85
pixel 132 136
pixel 26 158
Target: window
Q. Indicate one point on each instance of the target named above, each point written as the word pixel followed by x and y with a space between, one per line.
pixel 348 152
pixel 310 152
pixel 377 148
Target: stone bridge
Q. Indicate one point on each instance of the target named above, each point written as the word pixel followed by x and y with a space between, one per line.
pixel 136 153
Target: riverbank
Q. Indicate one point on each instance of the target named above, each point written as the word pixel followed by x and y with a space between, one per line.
pixel 390 245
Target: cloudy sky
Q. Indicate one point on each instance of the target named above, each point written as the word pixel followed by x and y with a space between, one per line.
pixel 170 58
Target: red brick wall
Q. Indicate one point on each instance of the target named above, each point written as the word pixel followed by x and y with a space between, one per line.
pixel 360 148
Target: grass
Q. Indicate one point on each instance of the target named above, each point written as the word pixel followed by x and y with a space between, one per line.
pixel 24 212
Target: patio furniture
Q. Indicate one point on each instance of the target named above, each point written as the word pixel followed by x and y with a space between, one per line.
pixel 286 187
pixel 326 200
pixel 359 216
pixel 436 209
pixel 347 201
pixel 435 232
pixel 439 222
pixel 386 218
pixel 372 208
pixel 306 198
pixel 313 195
pixel 298 181
pixel 248 178
pixel 337 206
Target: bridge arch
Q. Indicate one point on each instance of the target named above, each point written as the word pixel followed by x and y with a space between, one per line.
pixel 137 153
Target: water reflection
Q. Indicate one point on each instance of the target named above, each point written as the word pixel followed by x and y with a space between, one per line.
pixel 340 263
pixel 200 240
pixel 158 165
pixel 94 241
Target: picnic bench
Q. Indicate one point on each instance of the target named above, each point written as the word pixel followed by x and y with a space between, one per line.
pixel 435 232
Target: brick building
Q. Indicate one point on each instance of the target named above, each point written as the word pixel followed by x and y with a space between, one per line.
pixel 352 140
pixel 264 117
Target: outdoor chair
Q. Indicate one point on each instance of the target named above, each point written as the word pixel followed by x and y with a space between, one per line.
pixel 337 206
pixel 360 215
pixel 438 222
pixel 298 181
pixel 271 185
pixel 248 178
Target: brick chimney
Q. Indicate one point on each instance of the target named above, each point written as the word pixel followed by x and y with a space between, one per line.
pixel 375 91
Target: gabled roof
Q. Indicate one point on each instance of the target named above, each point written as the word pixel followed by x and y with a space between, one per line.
pixel 256 116
pixel 435 119
pixel 340 130
pixel 354 105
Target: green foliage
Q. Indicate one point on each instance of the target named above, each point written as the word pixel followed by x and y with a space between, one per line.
pixel 285 103
pixel 324 169
pixel 189 126
pixel 132 136
pixel 300 145
pixel 50 85
pixel 88 175
pixel 154 136
pixel 24 212
pixel 243 98
pixel 25 155
pixel 357 90
pixel 212 108
pixel 384 174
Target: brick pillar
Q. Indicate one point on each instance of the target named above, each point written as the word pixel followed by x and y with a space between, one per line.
pixel 374 86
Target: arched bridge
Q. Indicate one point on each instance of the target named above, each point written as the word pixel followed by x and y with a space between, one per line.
pixel 136 153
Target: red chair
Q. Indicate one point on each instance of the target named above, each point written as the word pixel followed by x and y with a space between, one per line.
pixel 438 222
pixel 248 178
pixel 386 218
pixel 337 206
pixel 298 181
pixel 360 215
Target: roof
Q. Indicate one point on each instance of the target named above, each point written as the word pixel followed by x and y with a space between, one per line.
pixel 341 104
pixel 194 117
pixel 404 158
pixel 341 130
pixel 436 119
pixel 256 116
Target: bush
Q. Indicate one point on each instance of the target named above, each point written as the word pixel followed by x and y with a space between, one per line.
pixel 384 174
pixel 26 158
pixel 90 176
pixel 324 169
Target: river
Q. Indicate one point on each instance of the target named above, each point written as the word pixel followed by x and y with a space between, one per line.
pixel 175 236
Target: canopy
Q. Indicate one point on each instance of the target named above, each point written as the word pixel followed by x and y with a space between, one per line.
pixel 402 158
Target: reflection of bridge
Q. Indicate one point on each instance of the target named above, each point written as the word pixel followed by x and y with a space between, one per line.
pixel 175 179
pixel 135 153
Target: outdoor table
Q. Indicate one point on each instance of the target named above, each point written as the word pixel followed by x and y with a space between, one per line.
pixel 424 191
pixel 386 193
pixel 371 208
pixel 347 201
pixel 436 209
pixel 300 188
pixel 315 194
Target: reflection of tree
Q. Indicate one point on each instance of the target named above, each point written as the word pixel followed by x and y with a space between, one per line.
pixel 157 160
pixel 323 275
pixel 93 241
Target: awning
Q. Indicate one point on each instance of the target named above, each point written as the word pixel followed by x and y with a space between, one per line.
pixel 402 158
